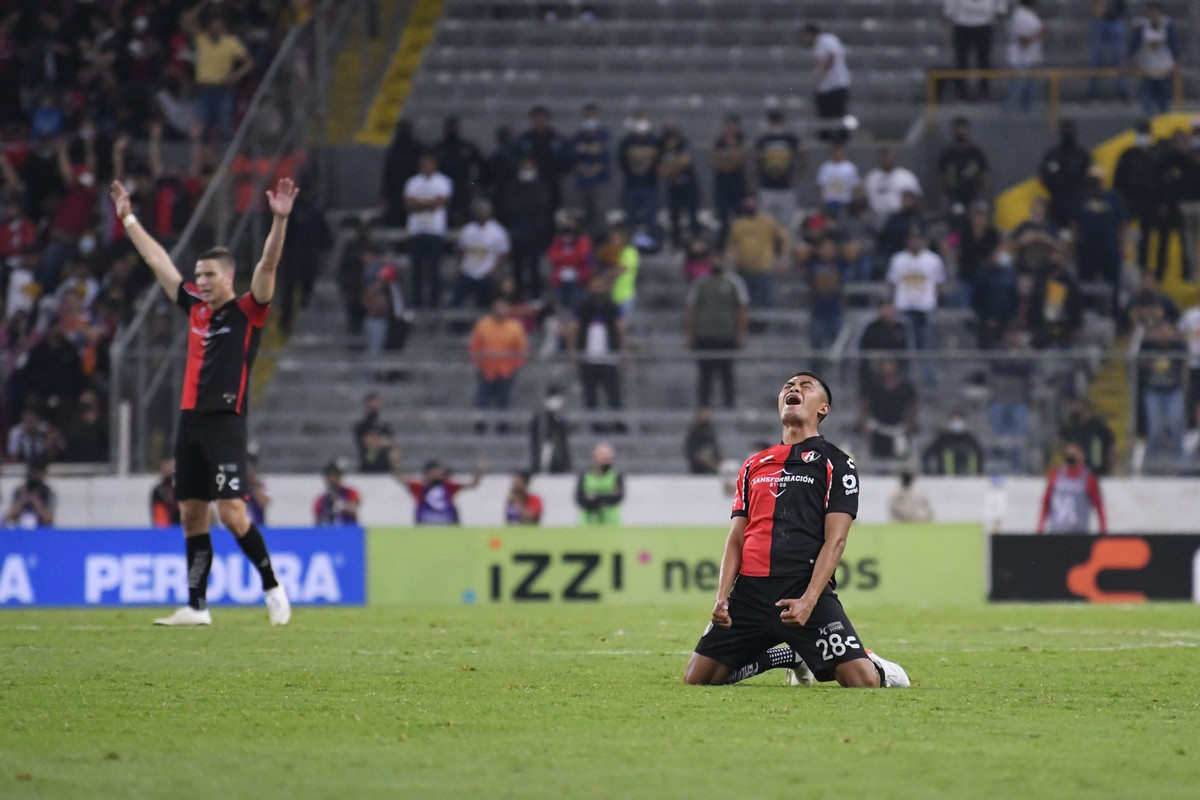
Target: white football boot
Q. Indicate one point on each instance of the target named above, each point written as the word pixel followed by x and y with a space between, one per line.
pixel 279 610
pixel 799 675
pixel 894 676
pixel 186 616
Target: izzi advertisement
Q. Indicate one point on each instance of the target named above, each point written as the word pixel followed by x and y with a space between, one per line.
pixel 1096 569
pixel 893 564
pixel 317 566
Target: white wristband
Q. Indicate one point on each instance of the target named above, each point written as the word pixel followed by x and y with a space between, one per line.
pixel 128 220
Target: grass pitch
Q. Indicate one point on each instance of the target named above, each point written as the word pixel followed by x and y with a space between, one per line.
pixel 567 702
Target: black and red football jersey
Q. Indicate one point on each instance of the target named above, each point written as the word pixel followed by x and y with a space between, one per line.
pixel 786 491
pixel 221 349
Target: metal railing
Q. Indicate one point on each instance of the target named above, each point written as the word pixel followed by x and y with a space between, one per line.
pixel 1054 76
pixel 273 139
pixel 659 388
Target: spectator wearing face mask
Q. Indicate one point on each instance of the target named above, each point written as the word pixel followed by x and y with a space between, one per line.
pixel 1064 173
pixel 571 257
pixel 526 209
pixel 591 155
pixel 639 154
pixel 600 490
pixel 1133 181
pixel 1072 491
pixel 994 298
pixel 954 451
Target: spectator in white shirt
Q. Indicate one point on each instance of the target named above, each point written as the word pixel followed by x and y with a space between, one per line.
pixel 426 195
pixel 1025 35
pixel 973 21
pixel 832 74
pixel 917 273
pixel 886 185
pixel 837 179
pixel 483 248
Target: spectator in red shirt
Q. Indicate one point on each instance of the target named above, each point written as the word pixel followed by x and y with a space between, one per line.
pixel 74 212
pixel 1072 492
pixel 338 504
pixel 571 258
pixel 434 492
pixel 17 231
pixel 522 507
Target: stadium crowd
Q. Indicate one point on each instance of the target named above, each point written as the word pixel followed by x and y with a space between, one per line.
pixel 89 93
pixel 555 257
pixel 532 237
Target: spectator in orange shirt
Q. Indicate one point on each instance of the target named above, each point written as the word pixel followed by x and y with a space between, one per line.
pixel 498 348
pixel 522 507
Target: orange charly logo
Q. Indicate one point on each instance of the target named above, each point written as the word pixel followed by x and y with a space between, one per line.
pixel 1108 554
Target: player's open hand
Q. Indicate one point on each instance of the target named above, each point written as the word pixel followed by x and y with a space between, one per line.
pixel 120 199
pixel 795 611
pixel 720 615
pixel 282 198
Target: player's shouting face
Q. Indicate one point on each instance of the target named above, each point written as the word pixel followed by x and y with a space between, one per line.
pixel 214 280
pixel 802 400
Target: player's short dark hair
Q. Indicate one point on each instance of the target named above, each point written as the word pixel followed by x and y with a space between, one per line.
pixel 221 254
pixel 432 463
pixel 824 387
pixel 812 29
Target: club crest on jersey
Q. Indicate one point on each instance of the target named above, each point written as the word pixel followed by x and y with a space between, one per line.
pixel 809 456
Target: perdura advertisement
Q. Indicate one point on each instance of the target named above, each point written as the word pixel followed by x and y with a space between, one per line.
pixel 1098 569
pixel 147 567
pixel 886 564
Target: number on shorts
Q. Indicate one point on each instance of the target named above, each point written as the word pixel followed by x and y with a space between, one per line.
pixel 834 646
pixel 220 481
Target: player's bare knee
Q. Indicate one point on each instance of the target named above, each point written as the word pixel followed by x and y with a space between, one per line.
pixel 233 517
pixel 193 516
pixel 702 671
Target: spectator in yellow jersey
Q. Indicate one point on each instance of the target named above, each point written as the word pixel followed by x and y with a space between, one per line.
pixel 222 60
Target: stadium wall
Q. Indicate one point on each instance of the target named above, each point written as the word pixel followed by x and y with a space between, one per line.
pixel 1158 504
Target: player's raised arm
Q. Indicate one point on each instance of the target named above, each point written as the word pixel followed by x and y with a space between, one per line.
pixel 150 250
pixel 262 283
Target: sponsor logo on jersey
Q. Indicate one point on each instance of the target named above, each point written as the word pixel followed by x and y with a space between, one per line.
pixel 778 483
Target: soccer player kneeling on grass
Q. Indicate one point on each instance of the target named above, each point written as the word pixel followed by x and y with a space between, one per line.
pixel 210 445
pixel 791 513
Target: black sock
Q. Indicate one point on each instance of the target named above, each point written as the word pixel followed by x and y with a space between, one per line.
pixel 199 561
pixel 882 677
pixel 255 548
pixel 779 656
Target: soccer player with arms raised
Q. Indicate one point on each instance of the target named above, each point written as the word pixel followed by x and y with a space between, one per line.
pixel 210 444
pixel 792 511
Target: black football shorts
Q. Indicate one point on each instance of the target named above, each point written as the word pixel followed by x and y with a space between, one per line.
pixel 210 456
pixel 826 640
